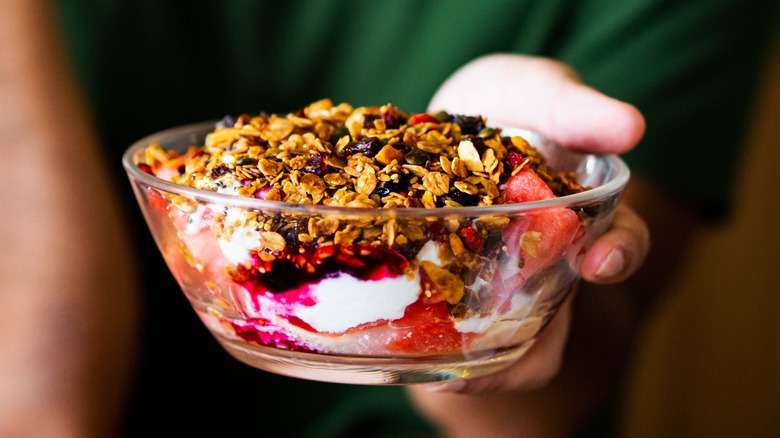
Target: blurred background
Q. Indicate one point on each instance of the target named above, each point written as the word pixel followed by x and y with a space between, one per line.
pixel 710 363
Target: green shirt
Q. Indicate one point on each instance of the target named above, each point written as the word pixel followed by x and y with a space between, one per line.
pixel 690 66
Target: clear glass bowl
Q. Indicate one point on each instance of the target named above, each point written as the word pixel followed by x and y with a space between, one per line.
pixel 435 311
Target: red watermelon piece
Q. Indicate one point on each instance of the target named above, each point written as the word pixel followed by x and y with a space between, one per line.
pixel 537 240
pixel 426 328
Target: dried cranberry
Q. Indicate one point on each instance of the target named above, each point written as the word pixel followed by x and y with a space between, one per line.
pixel 317 165
pixel 514 159
pixel 393 120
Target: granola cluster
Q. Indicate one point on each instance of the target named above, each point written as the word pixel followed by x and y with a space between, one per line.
pixel 366 157
pixel 370 157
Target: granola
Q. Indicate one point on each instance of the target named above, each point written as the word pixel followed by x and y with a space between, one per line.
pixel 333 154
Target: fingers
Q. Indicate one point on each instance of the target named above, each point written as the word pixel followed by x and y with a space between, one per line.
pixel 586 120
pixel 619 252
pixel 544 96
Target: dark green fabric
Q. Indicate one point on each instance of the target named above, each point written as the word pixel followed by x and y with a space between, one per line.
pixel 690 66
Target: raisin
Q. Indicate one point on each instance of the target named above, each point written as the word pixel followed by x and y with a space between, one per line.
pixel 468 124
pixel 368 146
pixel 464 199
pixel 493 245
pixel 368 120
pixel 219 170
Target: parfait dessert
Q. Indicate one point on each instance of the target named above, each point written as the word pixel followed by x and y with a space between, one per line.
pixel 368 232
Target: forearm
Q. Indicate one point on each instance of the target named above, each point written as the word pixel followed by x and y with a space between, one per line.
pixel 66 303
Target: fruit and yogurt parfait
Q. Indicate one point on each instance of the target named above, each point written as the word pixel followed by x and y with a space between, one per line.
pixel 337 242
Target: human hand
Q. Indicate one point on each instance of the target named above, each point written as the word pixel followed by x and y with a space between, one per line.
pixel 548 97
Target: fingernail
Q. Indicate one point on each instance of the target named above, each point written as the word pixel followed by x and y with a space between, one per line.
pixel 613 264
pixel 449 386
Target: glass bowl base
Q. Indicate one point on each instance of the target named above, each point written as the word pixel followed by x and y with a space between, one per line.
pixel 370 370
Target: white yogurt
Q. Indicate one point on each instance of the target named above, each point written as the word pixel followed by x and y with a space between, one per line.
pixel 344 302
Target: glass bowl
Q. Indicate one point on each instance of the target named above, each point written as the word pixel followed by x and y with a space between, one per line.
pixel 445 306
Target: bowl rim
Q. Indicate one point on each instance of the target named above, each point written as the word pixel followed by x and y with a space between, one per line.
pixel 197 130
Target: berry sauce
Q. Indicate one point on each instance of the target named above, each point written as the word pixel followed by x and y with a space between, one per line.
pixel 290 274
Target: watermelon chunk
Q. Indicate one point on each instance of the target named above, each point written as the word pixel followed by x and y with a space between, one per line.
pixel 535 241
pixel 426 328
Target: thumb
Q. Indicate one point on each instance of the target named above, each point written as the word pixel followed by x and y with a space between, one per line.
pixel 544 96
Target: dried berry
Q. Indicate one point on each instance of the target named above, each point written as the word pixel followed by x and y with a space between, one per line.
pixel 462 198
pixel 514 159
pixel 368 120
pixel 368 146
pixel 317 165
pixel 246 161
pixel 468 124
pixel 219 170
